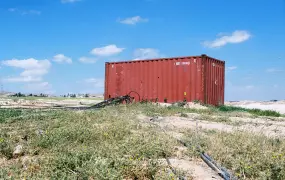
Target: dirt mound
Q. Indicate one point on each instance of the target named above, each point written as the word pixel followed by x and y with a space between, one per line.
pixel 195 106
pixel 187 105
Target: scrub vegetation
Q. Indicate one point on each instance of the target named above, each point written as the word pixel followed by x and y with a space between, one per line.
pixel 113 143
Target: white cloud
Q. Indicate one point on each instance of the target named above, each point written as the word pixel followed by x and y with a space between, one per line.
pixel 95 82
pixel 235 37
pixel 33 69
pixel 253 92
pixel 273 70
pixel 232 68
pixel 88 60
pixel 34 72
pixel 107 50
pixel 25 12
pixel 22 79
pixel 248 77
pixel 69 1
pixel 146 53
pixel 132 20
pixel 12 9
pixel 115 59
pixel 42 87
pixel 240 92
pixel 241 88
pixel 249 87
pixel 27 63
pixel 61 58
pixel 31 12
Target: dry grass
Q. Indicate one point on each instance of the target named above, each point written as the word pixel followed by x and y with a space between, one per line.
pixel 112 144
pixel 91 144
pixel 256 112
pixel 248 155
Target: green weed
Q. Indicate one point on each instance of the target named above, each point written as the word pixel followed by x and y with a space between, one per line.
pixel 6 114
pixel 257 112
pixel 112 144
pixel 248 155
pixel 104 144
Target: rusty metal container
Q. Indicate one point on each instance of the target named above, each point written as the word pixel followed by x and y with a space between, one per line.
pixel 193 78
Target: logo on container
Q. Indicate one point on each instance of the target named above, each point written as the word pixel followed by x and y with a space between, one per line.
pixel 182 63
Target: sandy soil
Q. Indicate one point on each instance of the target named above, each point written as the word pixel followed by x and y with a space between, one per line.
pixel 46 103
pixel 273 127
pixel 278 106
pixel 258 125
pixel 196 169
pixel 188 105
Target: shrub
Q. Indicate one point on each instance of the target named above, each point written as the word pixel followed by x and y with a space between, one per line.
pixel 257 112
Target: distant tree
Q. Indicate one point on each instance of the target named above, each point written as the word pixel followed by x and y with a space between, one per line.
pixel 86 95
pixel 19 94
pixel 30 94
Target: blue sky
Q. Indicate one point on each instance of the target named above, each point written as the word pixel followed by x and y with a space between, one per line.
pixel 60 46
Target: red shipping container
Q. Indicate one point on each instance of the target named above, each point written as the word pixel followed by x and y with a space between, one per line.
pixel 193 78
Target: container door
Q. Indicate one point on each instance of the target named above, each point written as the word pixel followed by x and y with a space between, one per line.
pixel 119 80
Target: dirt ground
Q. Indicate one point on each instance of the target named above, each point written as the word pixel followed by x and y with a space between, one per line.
pixel 278 106
pixel 273 127
pixel 46 103
pixel 198 169
pixel 259 126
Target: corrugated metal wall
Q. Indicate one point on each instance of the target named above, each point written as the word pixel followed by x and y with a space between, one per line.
pixel 171 79
pixel 214 75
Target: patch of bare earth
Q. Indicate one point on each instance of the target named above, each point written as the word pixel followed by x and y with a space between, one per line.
pixel 3 162
pixel 187 105
pixel 278 106
pixel 273 127
pixel 45 103
pixel 199 170
pixel 193 167
pixel 270 128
